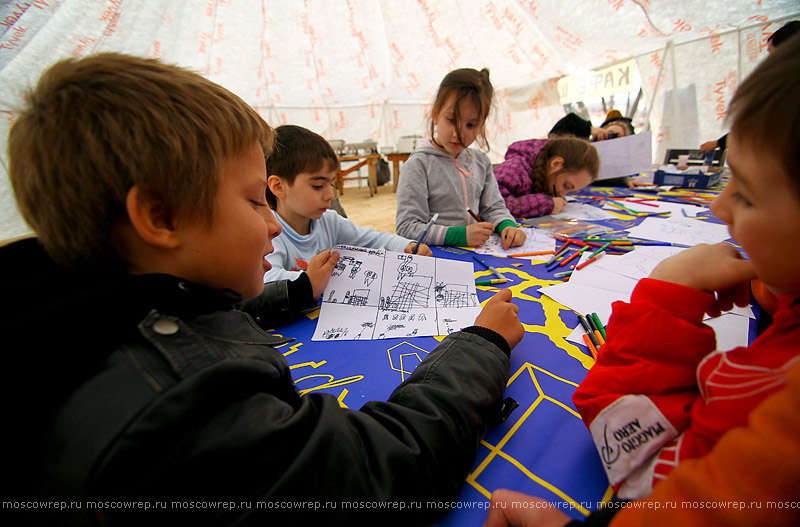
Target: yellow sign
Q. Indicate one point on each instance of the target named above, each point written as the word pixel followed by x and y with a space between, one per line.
pixel 597 83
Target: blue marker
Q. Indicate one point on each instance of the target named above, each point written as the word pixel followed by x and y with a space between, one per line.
pixel 425 233
pixel 489 267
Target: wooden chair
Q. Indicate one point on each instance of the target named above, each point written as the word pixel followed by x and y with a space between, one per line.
pixel 370 160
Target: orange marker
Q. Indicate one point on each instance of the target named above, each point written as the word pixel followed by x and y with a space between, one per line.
pixel 537 253
pixel 589 343
pixel 599 336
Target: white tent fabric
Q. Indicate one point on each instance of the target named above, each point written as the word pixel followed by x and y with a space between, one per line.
pixel 368 69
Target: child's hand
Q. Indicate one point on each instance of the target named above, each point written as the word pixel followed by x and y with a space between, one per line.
pixel 423 250
pixel 500 315
pixel 478 233
pixel 558 205
pixel 319 270
pixel 718 269
pixel 509 507
pixel 512 237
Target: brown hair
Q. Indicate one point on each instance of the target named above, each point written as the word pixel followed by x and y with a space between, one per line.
pixel 464 82
pixel 578 154
pixel 95 127
pixel 298 150
pixel 765 111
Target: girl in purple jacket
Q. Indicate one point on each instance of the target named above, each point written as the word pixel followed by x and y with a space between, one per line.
pixel 538 172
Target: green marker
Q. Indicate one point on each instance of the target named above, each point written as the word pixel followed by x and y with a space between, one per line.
pixel 599 324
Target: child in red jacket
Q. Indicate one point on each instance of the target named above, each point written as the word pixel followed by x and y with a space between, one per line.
pixel 661 395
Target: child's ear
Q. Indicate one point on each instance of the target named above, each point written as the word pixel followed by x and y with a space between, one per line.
pixel 149 220
pixel 277 186
pixel 555 164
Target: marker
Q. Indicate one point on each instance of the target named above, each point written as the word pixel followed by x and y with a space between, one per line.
pixel 590 260
pixel 558 253
pixel 645 214
pixel 599 324
pixel 591 322
pixel 590 345
pixel 474 215
pixel 489 267
pixel 588 330
pixel 640 242
pixel 537 253
pixel 601 249
pixel 555 192
pixel 563 274
pixel 599 336
pixel 623 207
pixel 425 232
pixel 493 281
pixel 572 256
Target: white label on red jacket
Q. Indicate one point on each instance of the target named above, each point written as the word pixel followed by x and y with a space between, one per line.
pixel 627 433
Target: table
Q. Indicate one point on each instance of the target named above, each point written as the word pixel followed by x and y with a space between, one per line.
pixel 396 158
pixel 371 160
pixel 543 449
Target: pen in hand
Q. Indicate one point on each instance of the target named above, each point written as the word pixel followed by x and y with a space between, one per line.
pixel 425 233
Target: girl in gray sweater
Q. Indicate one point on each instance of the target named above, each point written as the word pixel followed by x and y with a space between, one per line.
pixel 444 176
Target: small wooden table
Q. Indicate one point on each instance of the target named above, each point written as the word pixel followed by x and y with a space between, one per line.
pixel 371 160
pixel 397 158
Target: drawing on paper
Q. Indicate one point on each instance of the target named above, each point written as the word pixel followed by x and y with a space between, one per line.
pixel 454 295
pixel 408 294
pixel 375 294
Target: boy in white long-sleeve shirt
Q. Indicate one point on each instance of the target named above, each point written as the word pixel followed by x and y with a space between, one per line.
pixel 302 169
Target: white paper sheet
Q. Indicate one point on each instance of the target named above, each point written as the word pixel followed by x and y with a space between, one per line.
pixel 638 263
pixel 684 231
pixel 595 287
pixel 537 240
pixel 585 299
pixel 624 156
pixel 583 211
pixel 378 294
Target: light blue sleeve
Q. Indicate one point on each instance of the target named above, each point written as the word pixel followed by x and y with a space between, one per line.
pixel 279 259
pixel 349 233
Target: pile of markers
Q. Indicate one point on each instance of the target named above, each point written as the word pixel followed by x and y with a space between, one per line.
pixel 598 246
pixel 595 332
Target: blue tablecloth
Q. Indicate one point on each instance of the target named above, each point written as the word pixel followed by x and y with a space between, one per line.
pixel 543 449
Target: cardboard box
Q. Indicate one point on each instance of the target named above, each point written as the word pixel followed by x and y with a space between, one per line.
pixel 687 180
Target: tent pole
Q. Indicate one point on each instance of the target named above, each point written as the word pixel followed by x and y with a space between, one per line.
pixel 658 85
pixel 675 102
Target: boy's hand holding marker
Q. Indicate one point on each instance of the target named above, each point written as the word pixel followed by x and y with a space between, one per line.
pixel 718 269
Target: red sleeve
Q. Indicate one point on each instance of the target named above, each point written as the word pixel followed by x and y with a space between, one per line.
pixel 638 395
pixel 751 477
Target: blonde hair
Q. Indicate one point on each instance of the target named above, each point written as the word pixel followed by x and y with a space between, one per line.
pixel 464 82
pixel 578 154
pixel 95 127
